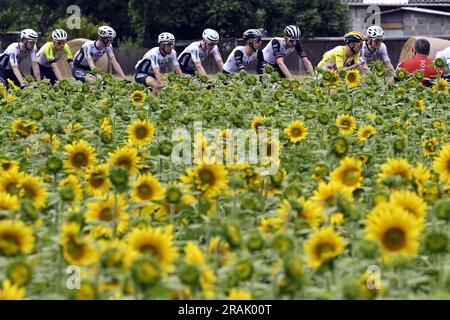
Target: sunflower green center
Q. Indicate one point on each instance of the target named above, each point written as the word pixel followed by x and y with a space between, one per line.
pixel 297 132
pixel 9 243
pixel 323 250
pixel 145 191
pixel 141 132
pixel 106 214
pixel 394 239
pixel 206 177
pixel 79 159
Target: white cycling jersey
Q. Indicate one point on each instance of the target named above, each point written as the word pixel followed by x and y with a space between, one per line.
pixel 154 58
pixel 13 57
pixel 89 50
pixel 275 49
pixel 239 60
pixel 445 55
pixel 380 54
pixel 193 53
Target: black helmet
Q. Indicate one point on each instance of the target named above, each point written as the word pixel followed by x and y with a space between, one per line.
pixel 252 34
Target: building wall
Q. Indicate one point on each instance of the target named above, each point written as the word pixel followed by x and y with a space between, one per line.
pixel 416 23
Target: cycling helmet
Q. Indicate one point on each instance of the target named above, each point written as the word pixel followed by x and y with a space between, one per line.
pixel 28 34
pixel 252 34
pixel 353 36
pixel 59 35
pixel 210 35
pixel 292 31
pixel 375 32
pixel 166 37
pixel 106 32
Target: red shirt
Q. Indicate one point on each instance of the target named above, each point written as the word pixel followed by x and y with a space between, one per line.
pixel 419 62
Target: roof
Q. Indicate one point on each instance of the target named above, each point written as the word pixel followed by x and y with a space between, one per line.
pixel 422 10
pixel 397 2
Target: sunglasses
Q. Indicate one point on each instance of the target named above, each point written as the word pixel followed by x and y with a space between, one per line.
pixel 293 40
pixel 108 39
pixel 169 44
pixel 60 43
pixel 258 40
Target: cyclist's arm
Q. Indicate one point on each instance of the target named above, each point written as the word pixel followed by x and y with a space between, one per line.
pixel 18 74
pixel 218 58
pixel 176 64
pixel 304 58
pixel 68 54
pixel 238 57
pixel 197 62
pixel 284 68
pixel 56 71
pixel 35 65
pixel 117 67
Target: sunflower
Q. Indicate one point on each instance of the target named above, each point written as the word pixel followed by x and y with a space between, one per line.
pixel 420 174
pixel 395 167
pixel 366 132
pixel 441 164
pixel 126 157
pixel 141 132
pixel 8 165
pixel 10 182
pixel 239 294
pixel 420 104
pixel 97 181
pixel 272 224
pixel 8 202
pixel 208 178
pixel 80 155
pixel 410 202
pixel 156 241
pixel 147 188
pixel 71 185
pixel 296 131
pixel 258 122
pixel 348 173
pixel 51 140
pixel 15 238
pixel 352 78
pixel 394 229
pixel 34 190
pixel 309 210
pixel 76 249
pixel 105 211
pixel 137 97
pixel 23 128
pixel 322 246
pixel 327 193
pixel 106 130
pixel 429 147
pixel 440 85
pixel 346 124
pixel 10 291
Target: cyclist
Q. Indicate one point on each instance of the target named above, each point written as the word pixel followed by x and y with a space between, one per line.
pixel 194 54
pixel 242 56
pixel 13 56
pixel 374 49
pixel 344 57
pixel 50 53
pixel 91 51
pixel 278 48
pixel 148 69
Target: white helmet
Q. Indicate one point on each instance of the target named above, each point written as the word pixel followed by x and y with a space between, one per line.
pixel 59 35
pixel 375 32
pixel 106 32
pixel 28 34
pixel 166 37
pixel 210 35
pixel 292 31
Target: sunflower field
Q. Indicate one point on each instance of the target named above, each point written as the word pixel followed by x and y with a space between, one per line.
pixel 92 206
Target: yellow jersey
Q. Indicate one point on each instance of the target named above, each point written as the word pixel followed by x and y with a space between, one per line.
pixel 335 58
pixel 47 54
